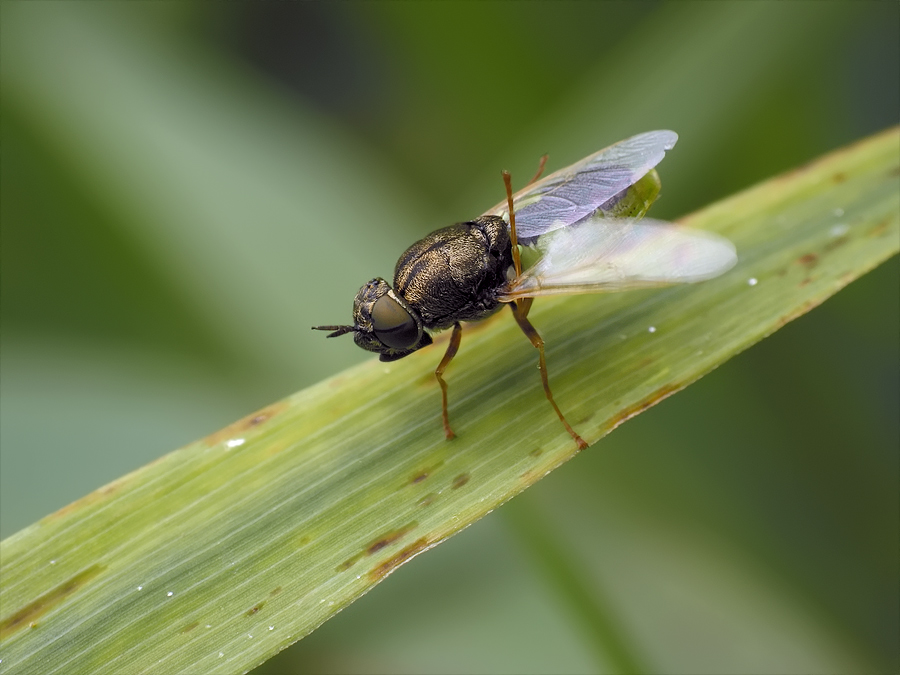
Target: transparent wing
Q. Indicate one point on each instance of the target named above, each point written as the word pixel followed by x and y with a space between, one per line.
pixel 571 194
pixel 603 255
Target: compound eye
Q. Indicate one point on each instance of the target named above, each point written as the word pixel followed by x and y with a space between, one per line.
pixel 393 325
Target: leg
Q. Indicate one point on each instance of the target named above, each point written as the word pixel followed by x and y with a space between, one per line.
pixel 514 239
pixel 452 348
pixel 520 311
pixel 507 179
pixel 540 169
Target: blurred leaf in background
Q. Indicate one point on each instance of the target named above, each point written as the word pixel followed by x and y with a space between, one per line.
pixel 187 187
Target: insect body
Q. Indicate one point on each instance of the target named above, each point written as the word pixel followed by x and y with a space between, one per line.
pixel 571 223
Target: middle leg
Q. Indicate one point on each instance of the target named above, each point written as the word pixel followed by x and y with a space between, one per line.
pixel 520 311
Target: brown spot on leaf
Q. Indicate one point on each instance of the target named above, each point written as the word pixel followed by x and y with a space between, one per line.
pixel 800 311
pixel 94 497
pixel 29 614
pixel 836 243
pixel 640 407
pixel 839 177
pixel 238 428
pixel 460 480
pixel 275 591
pixel 810 259
pixel 393 563
pixel 537 451
pixel 348 563
pixel 390 537
pixel 190 627
pixel 428 499
pixel 879 229
pixel 424 473
pixel 253 610
pixel 77 505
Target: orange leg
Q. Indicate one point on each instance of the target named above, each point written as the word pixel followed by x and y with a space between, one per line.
pixel 520 311
pixel 540 169
pixel 452 348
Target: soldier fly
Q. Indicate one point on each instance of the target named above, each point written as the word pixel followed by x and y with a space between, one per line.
pixel 580 224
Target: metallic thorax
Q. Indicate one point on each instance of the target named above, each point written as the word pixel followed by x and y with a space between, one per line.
pixel 453 274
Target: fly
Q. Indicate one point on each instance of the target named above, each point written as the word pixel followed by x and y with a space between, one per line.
pixel 579 229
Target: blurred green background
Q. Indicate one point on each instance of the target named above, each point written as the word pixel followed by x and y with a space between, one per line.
pixel 188 187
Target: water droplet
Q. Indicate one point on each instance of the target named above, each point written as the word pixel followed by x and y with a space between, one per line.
pixel 330 603
pixel 208 626
pixel 249 636
pixel 140 588
pixel 234 442
pixel 652 329
pixel 221 655
pixel 271 627
pixel 838 212
pixel 52 562
pixel 839 230
pixel 752 281
pixel 169 594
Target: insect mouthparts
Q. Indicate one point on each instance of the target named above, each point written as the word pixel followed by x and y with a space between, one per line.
pixel 338 330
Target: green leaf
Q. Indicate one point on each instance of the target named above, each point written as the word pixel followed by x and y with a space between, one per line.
pixel 218 555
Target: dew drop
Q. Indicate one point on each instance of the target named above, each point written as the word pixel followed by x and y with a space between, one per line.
pixel 52 562
pixel 221 655
pixel 271 627
pixel 235 442
pixel 752 281
pixel 652 329
pixel 169 594
pixel 140 588
pixel 839 230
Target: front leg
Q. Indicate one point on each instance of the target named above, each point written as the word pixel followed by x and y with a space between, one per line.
pixel 452 348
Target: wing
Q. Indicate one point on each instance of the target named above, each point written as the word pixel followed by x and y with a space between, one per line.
pixel 602 255
pixel 571 194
